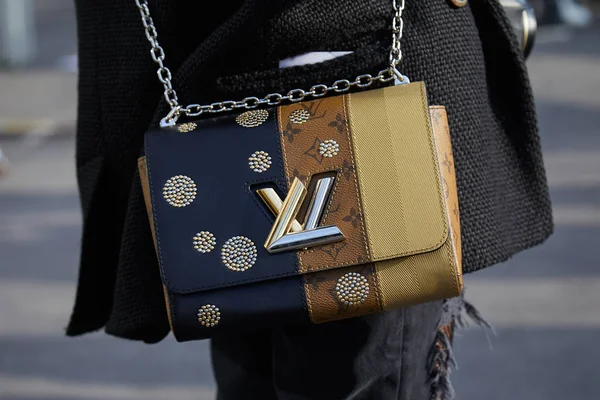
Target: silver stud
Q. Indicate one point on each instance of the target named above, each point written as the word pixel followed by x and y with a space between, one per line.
pixel 180 191
pixel 204 242
pixel 259 161
pixel 187 127
pixel 209 315
pixel 299 116
pixel 329 148
pixel 352 289
pixel 239 254
pixel 252 118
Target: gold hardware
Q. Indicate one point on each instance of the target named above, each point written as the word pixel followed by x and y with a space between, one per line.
pixel 274 203
pixel 179 191
pixel 209 315
pixel 289 211
pixel 259 161
pixel 329 148
pixel 283 236
pixel 204 242
pixel 352 289
pixel 187 127
pixel 252 118
pixel 299 116
pixel 459 3
pixel 239 254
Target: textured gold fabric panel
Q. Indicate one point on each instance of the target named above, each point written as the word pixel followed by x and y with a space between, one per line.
pixel 325 119
pixel 397 171
pixel 419 278
pixel 436 274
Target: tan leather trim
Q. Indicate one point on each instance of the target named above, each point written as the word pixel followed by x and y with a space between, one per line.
pixel 143 171
pixel 441 132
pixel 437 274
pixel 168 305
pixel 300 148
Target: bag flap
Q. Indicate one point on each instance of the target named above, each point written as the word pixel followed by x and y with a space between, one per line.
pixel 210 226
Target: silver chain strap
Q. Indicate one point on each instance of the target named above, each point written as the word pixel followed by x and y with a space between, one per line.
pixel 273 99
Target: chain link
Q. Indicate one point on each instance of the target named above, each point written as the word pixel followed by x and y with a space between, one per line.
pixel 273 99
pixel 397 29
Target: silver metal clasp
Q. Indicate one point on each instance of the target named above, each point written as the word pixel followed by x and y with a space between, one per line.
pixel 399 79
pixel 171 118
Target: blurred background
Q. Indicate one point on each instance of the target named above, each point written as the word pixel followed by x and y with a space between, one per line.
pixel 544 303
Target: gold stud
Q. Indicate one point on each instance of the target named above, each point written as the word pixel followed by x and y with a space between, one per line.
pixel 187 127
pixel 239 254
pixel 179 191
pixel 204 242
pixel 352 289
pixel 329 148
pixel 299 116
pixel 259 161
pixel 209 315
pixel 252 118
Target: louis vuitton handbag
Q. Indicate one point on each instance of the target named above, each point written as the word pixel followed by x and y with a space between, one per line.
pixel 300 211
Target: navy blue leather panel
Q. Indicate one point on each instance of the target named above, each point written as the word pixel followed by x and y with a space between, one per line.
pixel 215 156
pixel 255 306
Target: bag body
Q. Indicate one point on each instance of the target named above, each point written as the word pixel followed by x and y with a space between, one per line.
pixel 392 197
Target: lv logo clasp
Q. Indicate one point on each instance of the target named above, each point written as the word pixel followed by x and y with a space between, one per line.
pixel 287 233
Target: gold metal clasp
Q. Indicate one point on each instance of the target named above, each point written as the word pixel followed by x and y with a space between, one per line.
pixel 287 233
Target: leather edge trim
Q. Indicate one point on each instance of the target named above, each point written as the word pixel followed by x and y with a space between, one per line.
pixel 143 171
pixel 457 253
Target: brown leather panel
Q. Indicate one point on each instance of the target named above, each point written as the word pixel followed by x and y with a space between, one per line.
pixel 441 132
pixel 143 171
pixel 322 299
pixel 328 120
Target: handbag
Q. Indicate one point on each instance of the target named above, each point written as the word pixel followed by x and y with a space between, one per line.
pixel 303 208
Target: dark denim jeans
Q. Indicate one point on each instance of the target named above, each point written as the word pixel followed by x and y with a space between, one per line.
pixel 379 357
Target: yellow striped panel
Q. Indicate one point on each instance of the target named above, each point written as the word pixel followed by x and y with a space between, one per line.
pixel 397 171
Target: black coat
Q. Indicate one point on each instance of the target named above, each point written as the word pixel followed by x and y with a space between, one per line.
pixel 467 56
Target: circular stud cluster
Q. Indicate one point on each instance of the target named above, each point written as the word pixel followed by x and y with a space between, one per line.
pixel 329 148
pixel 179 191
pixel 204 242
pixel 209 315
pixel 352 289
pixel 259 161
pixel 187 127
pixel 239 253
pixel 252 118
pixel 299 116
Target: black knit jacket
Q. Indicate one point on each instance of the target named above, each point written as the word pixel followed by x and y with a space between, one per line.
pixel 467 56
